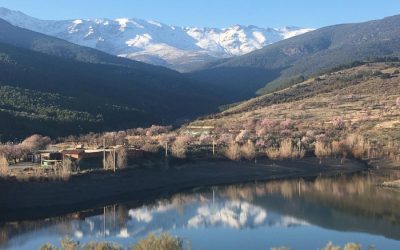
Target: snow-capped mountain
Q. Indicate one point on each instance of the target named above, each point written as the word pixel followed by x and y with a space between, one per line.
pixel 181 48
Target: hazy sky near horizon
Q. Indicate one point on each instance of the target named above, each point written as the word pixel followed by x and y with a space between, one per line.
pixel 214 13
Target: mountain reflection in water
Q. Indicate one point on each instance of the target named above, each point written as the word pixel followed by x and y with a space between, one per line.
pixel 261 214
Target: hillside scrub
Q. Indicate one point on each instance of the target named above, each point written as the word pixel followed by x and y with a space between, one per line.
pixel 352 112
pixel 334 115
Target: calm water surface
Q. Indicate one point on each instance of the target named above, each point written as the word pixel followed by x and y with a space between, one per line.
pixel 300 214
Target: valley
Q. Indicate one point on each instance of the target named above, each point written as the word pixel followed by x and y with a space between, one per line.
pixel 193 132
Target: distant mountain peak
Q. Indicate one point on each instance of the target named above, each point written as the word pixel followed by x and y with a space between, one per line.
pixel 181 48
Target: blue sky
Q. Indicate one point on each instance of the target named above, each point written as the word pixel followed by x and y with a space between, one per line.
pixel 214 13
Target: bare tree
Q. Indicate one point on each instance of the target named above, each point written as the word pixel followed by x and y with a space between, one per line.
pixel 35 142
pixel 122 157
pixel 248 150
pixel 3 165
pixel 233 151
pixel 109 162
pixel 180 146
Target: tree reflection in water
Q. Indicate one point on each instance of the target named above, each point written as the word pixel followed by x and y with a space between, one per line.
pixel 352 203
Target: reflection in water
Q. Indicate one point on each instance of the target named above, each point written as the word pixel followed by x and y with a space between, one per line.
pixel 262 214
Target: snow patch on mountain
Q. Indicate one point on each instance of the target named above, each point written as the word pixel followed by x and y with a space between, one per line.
pixel 180 48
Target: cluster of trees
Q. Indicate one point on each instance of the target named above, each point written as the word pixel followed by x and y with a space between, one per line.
pixel 263 136
pixel 16 151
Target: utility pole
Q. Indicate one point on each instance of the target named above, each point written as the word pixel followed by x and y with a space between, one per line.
pixel 213 146
pixel 115 163
pixel 166 149
pixel 104 153
pixel 104 222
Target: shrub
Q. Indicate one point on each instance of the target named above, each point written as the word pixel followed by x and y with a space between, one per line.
pixel 101 246
pixel 136 141
pixel 69 244
pixel 330 246
pixel 356 145
pixel 352 246
pixel 338 123
pixel 233 151
pixel 273 153
pixel 48 246
pixel 248 150
pixel 286 150
pixel 268 124
pixel 322 150
pixel 287 124
pixel 161 242
pixel 150 147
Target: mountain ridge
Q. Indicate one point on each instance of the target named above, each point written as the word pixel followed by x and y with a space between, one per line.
pixel 294 59
pixel 54 87
pixel 179 48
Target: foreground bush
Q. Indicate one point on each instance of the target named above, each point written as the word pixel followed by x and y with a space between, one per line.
pixel 151 242
pixel 161 242
pixel 348 246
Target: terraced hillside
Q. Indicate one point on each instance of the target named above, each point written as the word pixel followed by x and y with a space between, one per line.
pixel 351 111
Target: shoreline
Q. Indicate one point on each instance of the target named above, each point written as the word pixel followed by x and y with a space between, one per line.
pixel 43 199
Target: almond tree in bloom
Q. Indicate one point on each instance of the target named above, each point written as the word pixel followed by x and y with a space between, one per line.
pixel 287 124
pixel 268 124
pixel 35 142
pixel 157 130
pixel 243 136
pixel 338 122
pixel 205 139
pixel 224 139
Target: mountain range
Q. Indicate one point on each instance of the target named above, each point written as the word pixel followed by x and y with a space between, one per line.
pixel 290 61
pixel 180 48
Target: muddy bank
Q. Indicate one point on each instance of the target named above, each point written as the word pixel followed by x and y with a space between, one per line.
pixel 34 199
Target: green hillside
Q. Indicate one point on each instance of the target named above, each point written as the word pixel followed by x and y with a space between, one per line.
pixel 56 96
